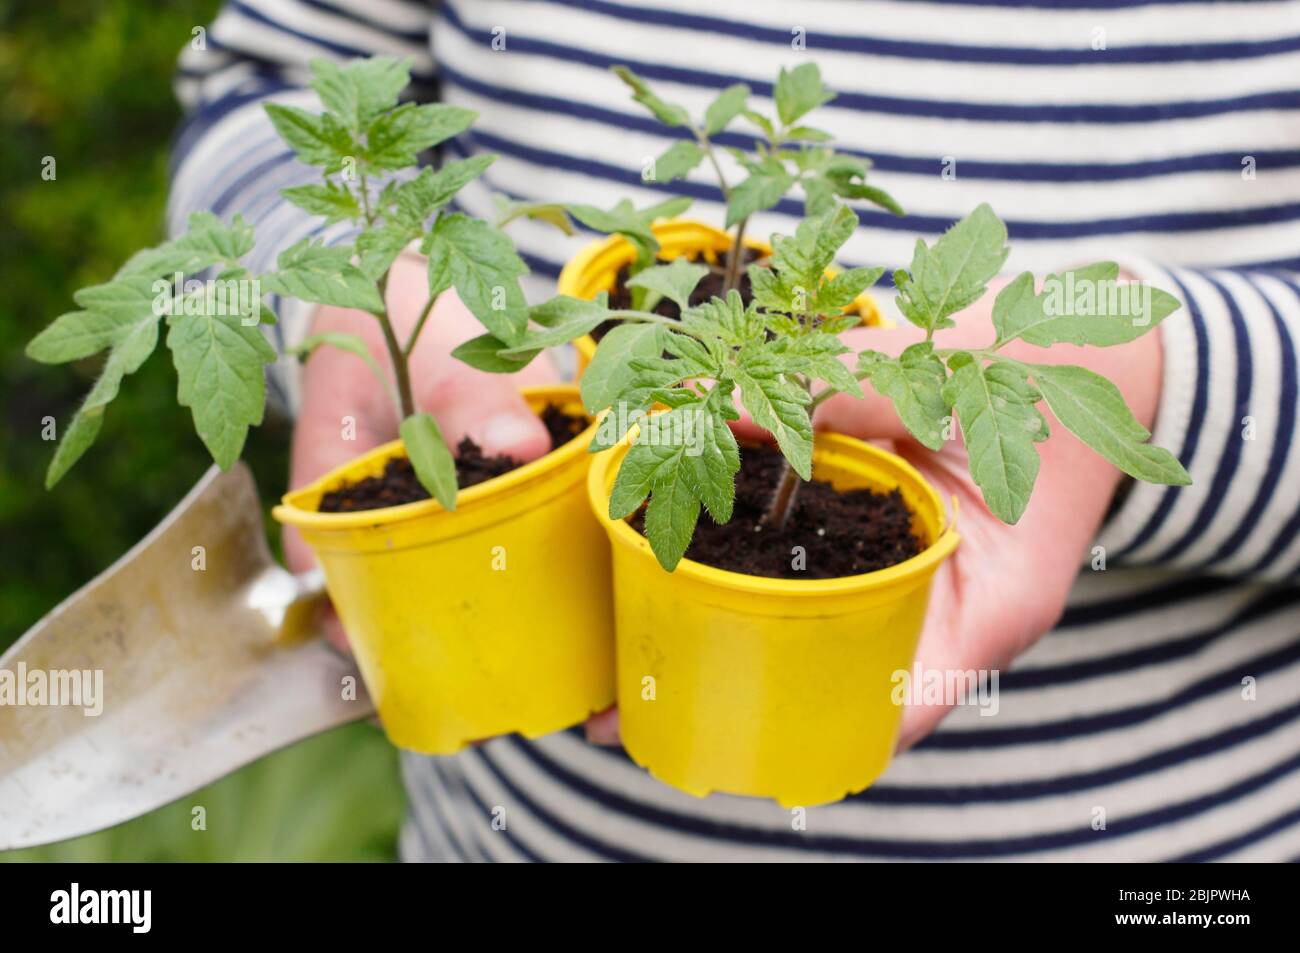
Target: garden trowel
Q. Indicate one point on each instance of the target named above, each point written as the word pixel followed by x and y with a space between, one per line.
pixel 191 656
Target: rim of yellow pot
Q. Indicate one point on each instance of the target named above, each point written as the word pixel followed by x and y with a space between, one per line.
pixel 604 468
pixel 594 268
pixel 298 507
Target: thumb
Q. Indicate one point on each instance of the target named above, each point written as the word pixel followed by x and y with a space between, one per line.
pixel 489 410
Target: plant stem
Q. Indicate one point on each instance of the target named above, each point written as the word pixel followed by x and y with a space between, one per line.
pixel 401 368
pixel 735 256
pixel 787 491
pixel 648 317
pixel 419 326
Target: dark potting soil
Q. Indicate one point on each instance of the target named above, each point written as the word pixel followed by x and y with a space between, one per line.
pixel 398 483
pixel 710 286
pixel 842 533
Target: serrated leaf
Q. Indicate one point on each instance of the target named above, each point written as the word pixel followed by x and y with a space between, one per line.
pixel 779 406
pixel 728 321
pixel 221 378
pixel 418 198
pixel 1086 306
pixel 674 281
pixel 563 319
pixel 816 356
pixel 1000 425
pixel 553 213
pixel 843 289
pixel 482 265
pixel 358 91
pixel 667 113
pixel 602 381
pixel 77 439
pixel 430 457
pixel 332 201
pixel 1092 408
pixel 395 139
pixel 318 140
pixel 846 188
pixel 487 353
pixel 726 107
pixel 324 274
pixel 75 335
pixel 802 259
pixel 914 382
pixel 799 91
pixel 954 272
pixel 761 190
pixel 378 248
pixel 207 241
pixel 679 159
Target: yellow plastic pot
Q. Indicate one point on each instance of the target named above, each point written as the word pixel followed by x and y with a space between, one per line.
pixel 489 620
pixel 595 268
pixel 769 687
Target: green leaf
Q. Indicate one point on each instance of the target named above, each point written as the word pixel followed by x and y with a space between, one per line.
pixel 799 91
pixel 415 200
pixel 344 342
pixel 395 139
pixel 914 382
pixel 553 213
pixel 623 220
pixel 1092 408
pixel 220 365
pixel 604 378
pixel 802 259
pixel 75 335
pixel 728 321
pixel 682 156
pixel 207 241
pixel 359 91
pixel 1000 424
pixel 709 466
pixel 954 272
pixel 761 190
pixel 563 319
pixel 434 465
pixel 842 290
pixel 779 406
pixel 674 281
pixel 816 356
pixel 667 113
pixel 333 201
pixel 487 353
pixel 378 248
pixel 728 105
pixel 133 344
pixel 1087 306
pixel 481 263
pixel 860 190
pixel 324 274
pixel 318 140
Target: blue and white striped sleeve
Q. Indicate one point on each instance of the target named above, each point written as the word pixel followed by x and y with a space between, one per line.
pixel 227 157
pixel 1228 409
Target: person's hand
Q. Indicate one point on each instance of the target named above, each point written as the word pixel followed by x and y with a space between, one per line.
pixel 1004 586
pixel 345 411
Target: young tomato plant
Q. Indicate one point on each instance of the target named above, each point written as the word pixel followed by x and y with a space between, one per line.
pixel 365 145
pixel 787 154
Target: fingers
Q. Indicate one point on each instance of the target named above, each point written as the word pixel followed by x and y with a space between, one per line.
pixel 602 728
pixel 490 411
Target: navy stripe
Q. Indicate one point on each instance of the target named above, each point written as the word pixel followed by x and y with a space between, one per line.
pixel 1192 440
pixel 556 823
pixel 959 795
pixel 1110 610
pixel 1230 457
pixel 909 106
pixel 448 767
pixel 341 49
pixel 1164 652
pixel 933 850
pixel 1282 435
pixel 1253 836
pixel 1082 55
pixel 357 13
pixel 1077 726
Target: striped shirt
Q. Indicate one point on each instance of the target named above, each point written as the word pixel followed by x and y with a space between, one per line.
pixel 1162 134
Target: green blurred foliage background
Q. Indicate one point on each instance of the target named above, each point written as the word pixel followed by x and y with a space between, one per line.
pixel 89 85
